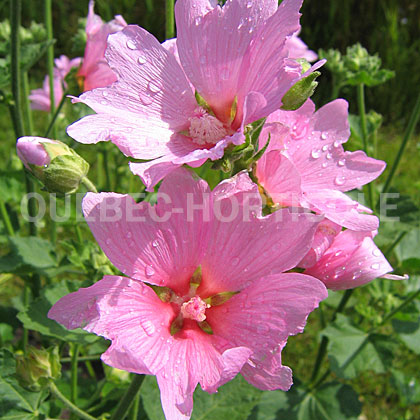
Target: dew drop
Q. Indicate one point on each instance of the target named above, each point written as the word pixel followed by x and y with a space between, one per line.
pixel 339 180
pixel 325 164
pixel 149 271
pixel 375 266
pixel 325 148
pixel 105 93
pixel 129 235
pixel 323 136
pixel 154 86
pixel 376 253
pixel 249 4
pixel 316 153
pixel 329 156
pixel 336 143
pixel 263 328
pixel 141 60
pixel 341 162
pixel 338 253
pixel 145 99
pixel 197 21
pixel 131 45
pixel 235 261
pixel 155 243
pixel 108 241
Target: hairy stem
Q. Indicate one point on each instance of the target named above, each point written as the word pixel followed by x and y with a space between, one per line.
pixel 124 405
pixel 169 20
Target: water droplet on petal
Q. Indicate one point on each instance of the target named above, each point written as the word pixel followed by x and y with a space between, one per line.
pixel 197 20
pixel 145 99
pixel 263 328
pixel 376 253
pixel 341 162
pixel 325 148
pixel 129 235
pixel 149 271
pixel 325 164
pixel 105 93
pixel 316 153
pixel 235 261
pixel 108 241
pixel 375 266
pixel 336 143
pixel 339 180
pixel 249 4
pixel 131 45
pixel 155 244
pixel 141 60
pixel 323 136
pixel 329 156
pixel 154 86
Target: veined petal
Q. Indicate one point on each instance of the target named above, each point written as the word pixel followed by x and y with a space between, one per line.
pixel 262 316
pixel 125 311
pixel 212 41
pixel 352 260
pixel 244 246
pixel 151 88
pixel 341 209
pixel 142 141
pixel 160 244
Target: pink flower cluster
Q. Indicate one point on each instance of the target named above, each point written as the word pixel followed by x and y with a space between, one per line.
pixel 204 298
pixel 94 71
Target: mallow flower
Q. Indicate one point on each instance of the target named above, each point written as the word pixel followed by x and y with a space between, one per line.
pixel 40 98
pixel 298 49
pixel 233 69
pixel 205 296
pixel 95 71
pixel 305 164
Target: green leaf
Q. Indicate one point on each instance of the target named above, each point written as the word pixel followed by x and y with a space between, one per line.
pixel 332 401
pixel 35 316
pixel 16 402
pixel 352 351
pixel 233 401
pixel 409 333
pixel 32 53
pixel 407 386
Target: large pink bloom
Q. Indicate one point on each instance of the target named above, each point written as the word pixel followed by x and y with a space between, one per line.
pixel 234 56
pixel 95 70
pixel 298 49
pixel 352 260
pixel 195 332
pixel 306 164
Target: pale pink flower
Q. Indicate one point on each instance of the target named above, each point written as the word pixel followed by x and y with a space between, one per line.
pixel 234 56
pixel 352 260
pixel 306 165
pixel 298 49
pixel 95 70
pixel 234 317
pixel 40 98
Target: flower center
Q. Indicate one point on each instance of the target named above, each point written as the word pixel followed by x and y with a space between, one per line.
pixel 194 309
pixel 206 129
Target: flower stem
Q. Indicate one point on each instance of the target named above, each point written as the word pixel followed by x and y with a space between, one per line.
pixel 134 412
pixel 414 118
pixel 80 413
pixel 129 396
pixel 169 19
pixel 73 368
pixel 54 117
pixel 50 58
pixel 322 349
pixel 6 219
pixel 89 184
pixel 29 126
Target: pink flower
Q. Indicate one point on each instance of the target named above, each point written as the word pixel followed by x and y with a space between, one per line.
pixel 306 165
pixel 352 260
pixel 188 325
pixel 40 98
pixel 95 70
pixel 234 56
pixel 298 49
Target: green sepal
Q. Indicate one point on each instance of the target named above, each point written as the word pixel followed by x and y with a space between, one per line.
pixel 205 326
pixel 219 298
pixel 176 325
pixel 196 279
pixel 163 293
pixel 202 102
pixel 297 95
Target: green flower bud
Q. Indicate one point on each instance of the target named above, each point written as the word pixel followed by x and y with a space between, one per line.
pixel 55 164
pixel 36 368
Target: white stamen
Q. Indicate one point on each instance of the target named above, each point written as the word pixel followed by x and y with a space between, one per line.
pixel 206 129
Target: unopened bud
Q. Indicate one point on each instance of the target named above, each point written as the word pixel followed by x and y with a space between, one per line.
pixel 55 164
pixel 37 367
pixel 297 95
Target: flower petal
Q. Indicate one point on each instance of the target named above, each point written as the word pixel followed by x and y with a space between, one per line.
pixel 352 260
